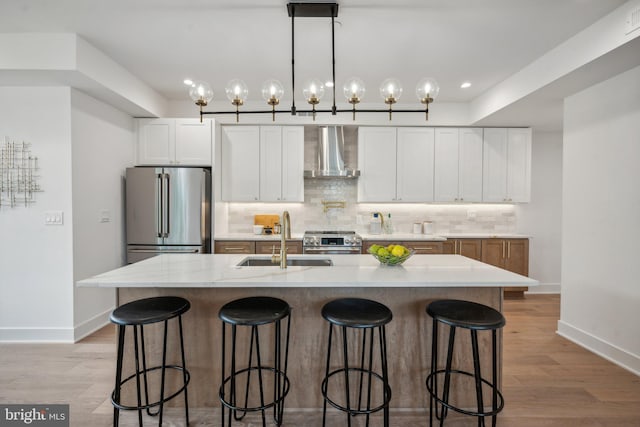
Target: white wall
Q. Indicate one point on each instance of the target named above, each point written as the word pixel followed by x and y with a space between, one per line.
pixel 36 272
pixel 102 148
pixel 600 306
pixel 541 218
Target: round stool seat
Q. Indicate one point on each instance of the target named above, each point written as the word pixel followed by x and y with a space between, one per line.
pixel 356 313
pixel 254 311
pixel 466 314
pixel 149 310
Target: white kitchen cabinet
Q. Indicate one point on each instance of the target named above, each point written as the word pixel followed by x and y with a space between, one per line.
pixel 281 163
pixel 396 165
pixel 458 165
pixel 506 165
pixel 262 163
pixel 240 164
pixel 174 142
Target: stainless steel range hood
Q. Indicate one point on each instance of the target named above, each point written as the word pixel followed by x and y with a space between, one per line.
pixel 330 155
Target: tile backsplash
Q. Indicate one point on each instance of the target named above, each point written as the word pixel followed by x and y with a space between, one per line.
pixel 446 218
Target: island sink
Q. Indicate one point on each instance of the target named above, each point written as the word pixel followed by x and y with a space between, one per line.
pixel 291 262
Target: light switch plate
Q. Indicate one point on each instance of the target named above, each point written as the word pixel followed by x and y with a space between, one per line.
pixel 53 218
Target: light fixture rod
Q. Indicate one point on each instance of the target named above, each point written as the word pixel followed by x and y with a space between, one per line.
pixel 293 60
pixel 333 58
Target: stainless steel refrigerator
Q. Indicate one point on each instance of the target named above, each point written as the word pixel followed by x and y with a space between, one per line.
pixel 168 211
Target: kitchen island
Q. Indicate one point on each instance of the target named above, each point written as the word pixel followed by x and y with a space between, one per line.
pixel 209 281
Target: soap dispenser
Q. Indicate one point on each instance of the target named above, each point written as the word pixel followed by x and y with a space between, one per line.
pixel 388 225
pixel 375 227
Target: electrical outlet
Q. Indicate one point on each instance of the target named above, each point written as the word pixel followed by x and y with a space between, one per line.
pixel 53 218
pixel 105 215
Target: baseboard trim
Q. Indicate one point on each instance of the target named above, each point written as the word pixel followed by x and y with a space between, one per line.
pixel 36 335
pixel 88 327
pixel 544 288
pixel 612 353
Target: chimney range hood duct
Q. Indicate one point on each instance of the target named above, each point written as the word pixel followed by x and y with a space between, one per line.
pixel 330 162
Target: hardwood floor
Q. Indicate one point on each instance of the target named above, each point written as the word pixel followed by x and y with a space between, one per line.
pixel 548 381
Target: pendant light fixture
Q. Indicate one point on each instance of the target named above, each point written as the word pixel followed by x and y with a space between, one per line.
pixel 313 91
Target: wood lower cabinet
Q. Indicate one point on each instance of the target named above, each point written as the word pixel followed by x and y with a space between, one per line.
pixel 267 248
pixel 510 254
pixel 419 246
pixel 424 247
pixel 234 247
pixel 471 248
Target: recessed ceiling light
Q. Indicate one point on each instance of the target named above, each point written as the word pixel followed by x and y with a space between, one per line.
pixel 188 82
pixel 465 85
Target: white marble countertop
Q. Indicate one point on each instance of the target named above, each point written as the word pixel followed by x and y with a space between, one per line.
pixel 221 271
pixel 366 236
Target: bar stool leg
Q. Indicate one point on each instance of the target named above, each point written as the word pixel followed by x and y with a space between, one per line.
pixel 264 419
pixel 346 371
pixel 278 394
pixel 364 332
pixel 495 378
pixel 433 405
pixel 116 394
pixel 163 375
pixel 477 374
pixel 364 346
pixel 385 375
pixel 326 375
pixel 447 375
pixel 137 358
pixel 144 373
pixel 184 371
pixel 246 394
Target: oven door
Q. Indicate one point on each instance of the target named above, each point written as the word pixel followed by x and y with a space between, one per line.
pixel 333 250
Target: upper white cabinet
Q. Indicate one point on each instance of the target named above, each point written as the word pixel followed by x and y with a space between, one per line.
pixel 506 165
pixel 262 163
pixel 396 165
pixel 458 165
pixel 180 142
pixel 240 166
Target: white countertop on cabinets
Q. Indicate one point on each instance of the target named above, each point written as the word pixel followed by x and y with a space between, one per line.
pixel 221 271
pixel 403 237
pixel 256 237
pixel 391 237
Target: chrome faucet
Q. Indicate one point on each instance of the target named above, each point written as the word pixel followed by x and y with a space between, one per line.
pixel 284 235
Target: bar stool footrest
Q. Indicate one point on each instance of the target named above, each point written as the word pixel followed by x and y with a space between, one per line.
pixel 276 372
pixel 352 411
pixel 151 405
pixel 429 384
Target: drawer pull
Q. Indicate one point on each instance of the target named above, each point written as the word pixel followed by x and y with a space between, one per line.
pixel 425 248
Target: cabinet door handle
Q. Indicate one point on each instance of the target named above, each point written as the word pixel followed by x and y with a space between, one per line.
pixel 233 248
pixel 459 244
pixel 508 249
pixel 503 249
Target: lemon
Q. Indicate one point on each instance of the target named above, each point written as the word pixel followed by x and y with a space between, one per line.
pixel 390 247
pixel 398 251
pixel 383 252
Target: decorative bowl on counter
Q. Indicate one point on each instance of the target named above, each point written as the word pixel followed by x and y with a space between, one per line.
pixel 391 254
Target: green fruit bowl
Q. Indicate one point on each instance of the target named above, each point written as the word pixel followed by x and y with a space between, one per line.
pixel 389 259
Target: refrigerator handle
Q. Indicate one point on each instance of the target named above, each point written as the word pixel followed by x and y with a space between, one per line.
pixel 159 207
pixel 167 204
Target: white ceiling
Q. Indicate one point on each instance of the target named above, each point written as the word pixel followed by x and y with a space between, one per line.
pixel 164 41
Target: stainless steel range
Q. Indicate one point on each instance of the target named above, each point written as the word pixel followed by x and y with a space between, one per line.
pixel 331 242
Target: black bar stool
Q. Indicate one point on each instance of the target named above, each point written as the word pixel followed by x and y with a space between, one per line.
pixel 253 312
pixel 475 317
pixel 137 314
pixel 369 316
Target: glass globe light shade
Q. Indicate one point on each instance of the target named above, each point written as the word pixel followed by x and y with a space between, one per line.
pixel 272 89
pixel 391 88
pixel 354 88
pixel 427 88
pixel 201 92
pixel 313 88
pixel 236 89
